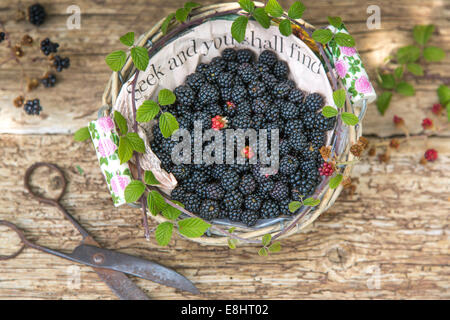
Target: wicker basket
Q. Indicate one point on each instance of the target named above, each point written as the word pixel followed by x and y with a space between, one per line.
pixel 343 137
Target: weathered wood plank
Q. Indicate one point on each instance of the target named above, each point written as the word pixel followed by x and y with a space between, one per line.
pixel 395 229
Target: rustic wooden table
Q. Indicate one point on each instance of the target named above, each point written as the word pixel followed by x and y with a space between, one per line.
pixel 388 240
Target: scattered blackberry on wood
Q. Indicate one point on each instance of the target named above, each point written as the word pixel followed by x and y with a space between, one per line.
pixel 2 36
pixel 280 191
pixel 36 14
pixel 229 54
pixel 289 165
pixel 61 63
pixel 280 70
pixel 290 111
pixel 48 47
pixel 233 200
pixel 209 209
pixel 247 184
pixel 314 102
pixel 208 94
pixel 33 107
pixel 49 80
pixel 230 180
pixel 249 217
pixel 244 56
pixel 268 58
pixel 195 81
pixel 252 202
pixel 270 209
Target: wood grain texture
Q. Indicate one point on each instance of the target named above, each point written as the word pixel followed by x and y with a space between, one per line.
pixel 390 240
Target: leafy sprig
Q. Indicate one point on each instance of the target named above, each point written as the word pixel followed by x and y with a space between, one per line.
pixel 116 60
pixel 181 15
pixel 324 36
pixel 308 202
pixel 128 141
pixel 268 246
pixel 339 97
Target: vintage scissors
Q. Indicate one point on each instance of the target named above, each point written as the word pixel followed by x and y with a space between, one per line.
pixel 110 266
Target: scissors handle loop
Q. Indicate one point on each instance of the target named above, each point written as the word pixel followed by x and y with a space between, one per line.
pixel 29 172
pixel 25 242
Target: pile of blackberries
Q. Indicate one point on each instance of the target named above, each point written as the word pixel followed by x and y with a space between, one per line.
pixel 33 107
pixel 238 91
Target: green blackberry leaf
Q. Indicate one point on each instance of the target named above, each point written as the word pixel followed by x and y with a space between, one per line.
pixel 80 170
pixel 147 111
pixel 335 181
pixel 247 5
pixel 447 107
pixel 149 178
pixel 275 247
pixel 181 14
pixel 166 23
pixel 166 97
pixel 274 8
pixel 168 124
pixel 192 227
pixel 398 72
pixel 191 5
pixel 408 54
pixel 136 142
pixel 232 229
pixel 285 28
pixel 261 16
pixel 387 81
pixel 311 202
pixel 266 239
pixel 322 36
pixel 155 202
pixel 121 123
pixel 163 233
pixel 140 58
pixel 116 60
pixel 444 94
pixel 134 190
pixel 238 28
pixel 81 134
pixel 433 54
pixel 344 39
pixel 335 22
pixel 232 243
pixel 296 10
pixel 263 252
pixel 329 112
pixel 415 69
pixel 339 97
pixel 383 102
pixel 405 89
pixel 423 33
pixel 294 206
pixel 349 118
pixel 170 212
pixel 127 39
pixel 125 150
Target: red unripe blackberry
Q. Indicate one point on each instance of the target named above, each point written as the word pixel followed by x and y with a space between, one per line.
pixel 431 155
pixel 398 121
pixel 326 169
pixel 427 123
pixel 437 109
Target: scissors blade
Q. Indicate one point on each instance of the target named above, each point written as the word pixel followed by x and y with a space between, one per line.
pixel 101 258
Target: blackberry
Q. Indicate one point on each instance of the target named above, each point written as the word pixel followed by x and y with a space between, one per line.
pixel 289 165
pixel 261 69
pixel 258 121
pixel 265 186
pixel 290 111
pixel 270 209
pixel 214 191
pixel 309 165
pixel 192 202
pixel 247 184
pixel 280 70
pixel 316 121
pixel 195 81
pixel 2 36
pixel 225 80
pixel 252 202
pixel 244 56
pixel 284 207
pixel 209 210
pixel 178 194
pixel 213 109
pixel 269 80
pixel 219 62
pixel 256 89
pixel 284 148
pixel 268 58
pixel 238 94
pixel 246 72
pixel 244 108
pixel 48 47
pixel 314 102
pixel 213 72
pixel 185 95
pixel 305 188
pixel 233 200
pixel 218 170
pixel 61 63
pixel 229 54
pixel 33 107
pixel 185 122
pixel 201 68
pixel 208 94
pixel 280 191
pixel 259 106
pixel 234 214
pixel 49 81
pixel 242 121
pixel 225 94
pixel 293 126
pixel 316 138
pixel 272 114
pixel 36 14
pixel 232 66
pixel 249 217
pixel 296 96
pixel 281 90
pixel 201 191
pixel 181 171
pixel 230 180
pixel 298 141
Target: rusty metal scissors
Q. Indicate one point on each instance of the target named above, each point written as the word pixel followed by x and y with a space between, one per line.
pixel 110 266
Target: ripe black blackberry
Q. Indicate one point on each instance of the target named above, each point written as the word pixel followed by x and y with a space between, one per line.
pixel 178 194
pixel 48 47
pixel 213 72
pixel 244 108
pixel 258 121
pixel 225 94
pixel 309 165
pixel 208 93
pixel 316 138
pixel 281 90
pixel 201 68
pixel 289 165
pixel 61 63
pixel 247 73
pixel 269 80
pixel 36 14
pixel 280 191
pixel 290 111
pixel 229 54
pixel 280 70
pixel 225 80
pixel 268 58
pixel 181 171
pixel 252 202
pixel 244 56
pixel 298 141
pixel 229 180
pixel 270 209
pixel 185 122
pixel 296 96
pixel 272 114
pixel 233 200
pixel 260 105
pixel 234 214
pixel 192 202
pixel 213 109
pixel 218 170
pixel 32 107
pixel 233 66
pixel 249 217
pixel 314 102
pixel 195 81
pixel 261 69
pixel 256 89
pixel 201 191
pixel 238 94
pixel 49 80
pixel 284 148
pixel 2 36
pixel 209 209
pixel 316 121
pixel 214 191
pixel 242 121
pixel 304 188
pixel 247 184
pixel 219 62
pixel 185 95
pixel 292 126
pixel 284 207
